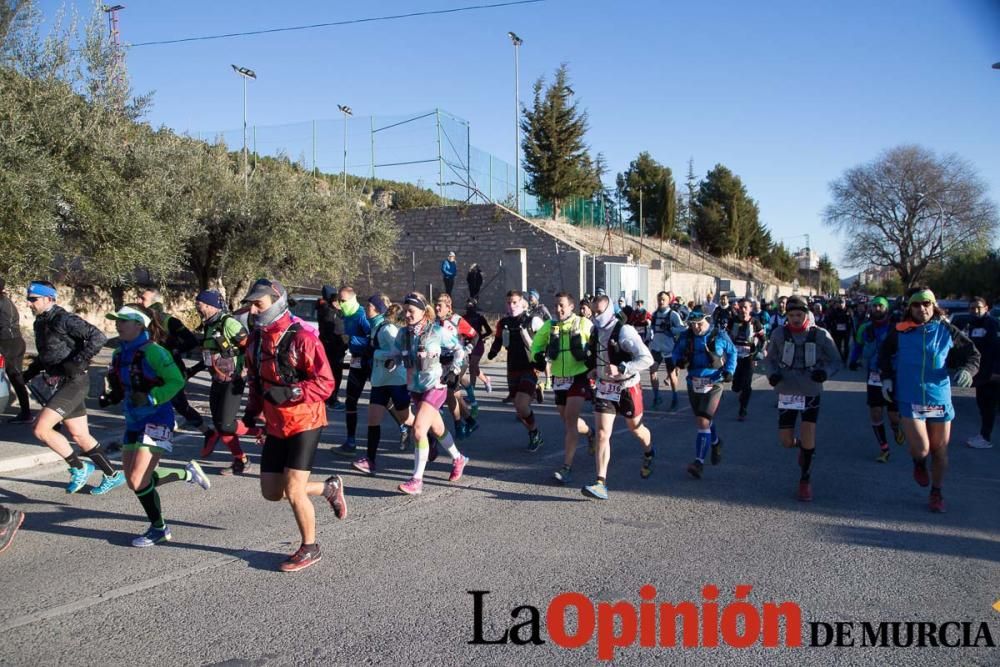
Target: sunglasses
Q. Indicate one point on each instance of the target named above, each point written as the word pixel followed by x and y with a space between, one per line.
pixel 32 299
pixel 922 304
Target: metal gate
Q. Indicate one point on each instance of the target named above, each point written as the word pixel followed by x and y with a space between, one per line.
pixel 630 281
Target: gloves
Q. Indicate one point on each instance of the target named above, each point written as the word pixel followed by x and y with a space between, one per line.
pixel 854 366
pixel 104 400
pixel 140 399
pixel 540 361
pixel 72 369
pixel 727 376
pixel 279 394
pixel 887 386
pixel 773 380
pixel 818 375
pixel 963 379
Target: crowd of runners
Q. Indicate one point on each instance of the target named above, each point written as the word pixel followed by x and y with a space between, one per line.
pixel 422 362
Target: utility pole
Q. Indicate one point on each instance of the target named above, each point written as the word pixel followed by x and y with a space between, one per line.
pixel 517 42
pixel 245 73
pixel 346 110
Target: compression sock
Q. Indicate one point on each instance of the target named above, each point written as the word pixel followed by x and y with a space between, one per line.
pixel 447 443
pixel 701 444
pixel 374 435
pixel 150 500
pixel 879 430
pixel 163 476
pixel 806 463
pixel 421 452
pixel 232 443
pixel 74 461
pixel 351 420
pixel 100 459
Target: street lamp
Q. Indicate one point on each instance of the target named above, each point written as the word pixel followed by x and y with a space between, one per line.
pixel 516 41
pixel 245 73
pixel 346 110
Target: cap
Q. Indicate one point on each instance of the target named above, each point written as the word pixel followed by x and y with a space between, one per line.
pixel 212 298
pixel 451 254
pixel 265 287
pixel 129 314
pixel 532 294
pixel 696 315
pixel 796 303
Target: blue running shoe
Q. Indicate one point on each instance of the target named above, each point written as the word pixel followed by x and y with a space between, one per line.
pixel 596 490
pixel 78 477
pixel 471 427
pixel 152 536
pixel 349 448
pixel 474 410
pixel 109 483
pixel 460 431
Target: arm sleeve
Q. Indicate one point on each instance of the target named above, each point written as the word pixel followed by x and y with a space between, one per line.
pixel 497 343
pixel 319 383
pixel 92 338
pixel 632 343
pixel 963 354
pixel 162 363
pixel 773 353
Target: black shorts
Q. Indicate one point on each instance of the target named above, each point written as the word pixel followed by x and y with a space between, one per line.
pixel 522 382
pixel 356 380
pixel 787 418
pixel 743 377
pixel 705 405
pixel 667 361
pixel 875 399
pixel 580 388
pixel 296 451
pixel 629 405
pixel 70 400
pixel 396 393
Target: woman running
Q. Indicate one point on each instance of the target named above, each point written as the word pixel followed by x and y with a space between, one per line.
pixel 420 345
pixel 144 375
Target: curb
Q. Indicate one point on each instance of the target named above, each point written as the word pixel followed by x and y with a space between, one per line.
pixel 15 463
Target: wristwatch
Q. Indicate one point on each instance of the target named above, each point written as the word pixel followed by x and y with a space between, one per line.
pixel 296 393
pixel 621 368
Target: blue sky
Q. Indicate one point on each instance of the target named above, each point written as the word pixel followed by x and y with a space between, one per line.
pixel 787 94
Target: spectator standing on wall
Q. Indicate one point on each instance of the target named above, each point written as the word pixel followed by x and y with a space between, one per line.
pixel 475 280
pixel 449 269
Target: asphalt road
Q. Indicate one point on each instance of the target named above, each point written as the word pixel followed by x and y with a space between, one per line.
pixel 392 586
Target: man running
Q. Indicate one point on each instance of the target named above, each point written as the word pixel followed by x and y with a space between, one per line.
pixel 800 358
pixel 12 348
pixel 666 326
pixel 539 315
pixel 513 333
pixel 867 342
pixel 838 323
pixel 357 329
pixel 982 329
pixel 331 334
pixel 66 344
pixel 483 331
pixel 620 357
pixel 747 334
pixel 290 380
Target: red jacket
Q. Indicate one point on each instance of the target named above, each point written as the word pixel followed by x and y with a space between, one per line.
pixel 307 356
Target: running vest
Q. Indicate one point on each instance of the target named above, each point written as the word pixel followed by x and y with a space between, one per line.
pixel 425 361
pixel 575 342
pixel 715 360
pixel 790 347
pixel 286 370
pixel 661 323
pixel 137 378
pixel 616 353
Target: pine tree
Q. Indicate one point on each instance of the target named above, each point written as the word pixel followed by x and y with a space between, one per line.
pixel 654 182
pixel 727 220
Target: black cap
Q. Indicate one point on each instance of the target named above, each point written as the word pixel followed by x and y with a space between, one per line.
pixel 265 287
pixel 796 303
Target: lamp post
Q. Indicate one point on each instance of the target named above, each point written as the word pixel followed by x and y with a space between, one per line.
pixel 516 41
pixel 346 110
pixel 245 73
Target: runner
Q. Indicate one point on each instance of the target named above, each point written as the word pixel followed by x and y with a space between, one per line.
pixel 357 329
pixel 640 320
pixel 666 326
pixel 513 334
pixel 839 323
pixel 290 380
pixel 867 342
pixel 144 376
pixel 565 345
pixel 747 334
pixel 331 334
pixel 800 358
pixel 710 359
pixel 780 316
pixel 223 345
pixel 982 329
pixel 465 421
pixel 12 348
pixel 66 344
pixel 386 385
pixel 179 340
pixel 914 361
pixel 420 347
pixel 620 357
pixel 483 331
pixel 539 315
pixel 585 309
pixel 723 316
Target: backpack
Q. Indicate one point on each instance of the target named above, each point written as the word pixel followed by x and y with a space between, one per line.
pixel 715 361
pixel 790 347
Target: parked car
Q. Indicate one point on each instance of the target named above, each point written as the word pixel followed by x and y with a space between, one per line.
pixel 305 308
pixel 4 386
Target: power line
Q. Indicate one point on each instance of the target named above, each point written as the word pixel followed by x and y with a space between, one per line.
pixel 336 23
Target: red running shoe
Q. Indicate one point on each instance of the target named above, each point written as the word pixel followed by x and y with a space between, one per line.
pixel 457 467
pixel 302 559
pixel 805 492
pixel 920 473
pixel 937 502
pixel 333 491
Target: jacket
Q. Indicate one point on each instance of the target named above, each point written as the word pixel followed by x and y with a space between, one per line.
pixel 357 328
pixel 919 357
pixel 666 326
pixel 796 377
pixel 383 339
pixel 514 334
pixel 66 343
pixel 161 377
pixel 565 362
pixel 984 331
pixel 10 320
pixel 313 376
pixel 420 353
pixel 449 269
pixel 700 364
pixel 475 281
pixel 839 322
pixel 331 322
pixel 868 340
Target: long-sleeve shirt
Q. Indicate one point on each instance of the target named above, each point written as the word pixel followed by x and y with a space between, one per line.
pixel 383 349
pixel 796 378
pixel 631 343
pixel 449 269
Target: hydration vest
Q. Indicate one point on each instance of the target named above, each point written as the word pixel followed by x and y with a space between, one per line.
pixel 287 373
pixel 137 377
pixel 576 348
pixel 790 347
pixel 616 353
pixel 715 360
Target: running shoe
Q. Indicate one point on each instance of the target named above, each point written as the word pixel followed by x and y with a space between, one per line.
pixel 534 441
pixel 474 409
pixel 489 386
pixel 742 416
pixel 936 503
pixel 563 475
pixel 647 467
pixel 110 482
pixel 979 442
pixel 460 432
pixel 591 442
pixel 596 490
pixel 404 436
pixel 920 473
pixel 9 528
pixel 471 427
pixel 805 492
pixel 364 465
pixel 349 448
pixel 695 468
pixel 432 453
pixel 717 452
pixel 23 418
pixel 673 403
pixel 198 475
pixel 548 384
pixel 153 536
pixel 457 467
pixel 883 456
pixel 239 467
pixel 78 477
pixel 657 401
pixel 301 559
pixel 333 491
pixel 412 487
pixel 211 438
pixel 900 438
pixel 336 405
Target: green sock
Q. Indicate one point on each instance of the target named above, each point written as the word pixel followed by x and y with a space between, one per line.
pixel 163 476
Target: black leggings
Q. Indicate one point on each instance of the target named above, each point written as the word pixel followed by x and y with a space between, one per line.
pixel 224 402
pixel 12 350
pixel 987 398
pixel 743 381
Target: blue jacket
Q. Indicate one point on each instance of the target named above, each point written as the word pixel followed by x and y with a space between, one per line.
pixel 699 364
pixel 449 269
pixel 157 366
pixel 357 328
pixel 868 340
pixel 919 358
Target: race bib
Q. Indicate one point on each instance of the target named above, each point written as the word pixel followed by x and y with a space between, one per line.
pixel 928 411
pixel 160 436
pixel 742 351
pixel 701 385
pixel 206 357
pixel 874 379
pixel 609 390
pixel 791 402
pixel 978 332
pixel 562 384
pixel 355 361
pixel 841 327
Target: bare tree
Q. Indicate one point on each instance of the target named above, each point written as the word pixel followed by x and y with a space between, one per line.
pixel 910 209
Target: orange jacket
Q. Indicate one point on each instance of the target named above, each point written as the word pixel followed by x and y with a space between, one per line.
pixel 315 378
